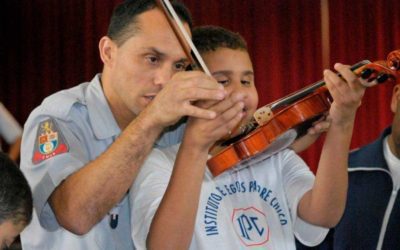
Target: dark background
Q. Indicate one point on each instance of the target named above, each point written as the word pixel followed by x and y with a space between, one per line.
pixel 49 45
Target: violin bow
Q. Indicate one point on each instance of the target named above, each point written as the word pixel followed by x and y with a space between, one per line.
pixel 180 32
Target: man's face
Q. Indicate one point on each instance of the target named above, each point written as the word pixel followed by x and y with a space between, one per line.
pixel 142 65
pixel 8 232
pixel 234 70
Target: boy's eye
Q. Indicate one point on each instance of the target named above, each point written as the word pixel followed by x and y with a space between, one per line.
pixel 223 82
pixel 245 82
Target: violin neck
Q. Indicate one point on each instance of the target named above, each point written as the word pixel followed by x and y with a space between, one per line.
pixel 290 99
pixel 265 113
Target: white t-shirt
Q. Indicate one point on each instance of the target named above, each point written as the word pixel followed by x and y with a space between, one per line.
pixel 253 207
pixel 393 163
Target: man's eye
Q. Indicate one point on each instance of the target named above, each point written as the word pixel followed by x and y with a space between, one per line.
pixel 180 66
pixel 152 59
pixel 244 82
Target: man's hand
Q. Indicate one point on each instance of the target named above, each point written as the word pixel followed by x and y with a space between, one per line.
pixel 177 98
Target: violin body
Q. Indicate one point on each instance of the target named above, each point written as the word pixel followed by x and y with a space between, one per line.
pixel 294 119
pixel 291 120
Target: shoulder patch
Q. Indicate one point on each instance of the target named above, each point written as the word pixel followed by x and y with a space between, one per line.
pixel 49 141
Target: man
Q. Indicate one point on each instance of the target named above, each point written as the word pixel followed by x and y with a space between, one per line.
pixel 82 147
pixel 178 204
pixel 15 201
pixel 372 213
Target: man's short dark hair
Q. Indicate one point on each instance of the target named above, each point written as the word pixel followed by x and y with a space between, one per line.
pixel 210 38
pixel 15 193
pixel 124 18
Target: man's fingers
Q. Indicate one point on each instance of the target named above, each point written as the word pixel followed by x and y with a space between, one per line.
pixel 195 94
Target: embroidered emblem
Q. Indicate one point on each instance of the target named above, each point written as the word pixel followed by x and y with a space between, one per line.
pixel 49 141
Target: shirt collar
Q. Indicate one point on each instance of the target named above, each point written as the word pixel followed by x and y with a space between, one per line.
pixel 103 122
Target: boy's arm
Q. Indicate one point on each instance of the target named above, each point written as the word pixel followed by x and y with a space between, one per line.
pixel 324 204
pixel 182 195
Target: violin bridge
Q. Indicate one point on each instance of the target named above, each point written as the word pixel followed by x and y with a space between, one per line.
pixel 263 115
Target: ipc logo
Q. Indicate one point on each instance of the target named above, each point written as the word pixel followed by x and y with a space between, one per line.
pixel 251 226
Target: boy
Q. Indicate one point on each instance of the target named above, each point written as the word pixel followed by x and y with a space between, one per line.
pixel 177 204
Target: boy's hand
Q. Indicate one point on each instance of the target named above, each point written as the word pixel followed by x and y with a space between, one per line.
pixel 205 132
pixel 313 133
pixel 346 91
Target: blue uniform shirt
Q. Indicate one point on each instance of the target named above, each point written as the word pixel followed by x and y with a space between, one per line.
pixel 67 131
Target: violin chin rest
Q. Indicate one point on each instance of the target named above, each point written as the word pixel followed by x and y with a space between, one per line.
pixel 283 141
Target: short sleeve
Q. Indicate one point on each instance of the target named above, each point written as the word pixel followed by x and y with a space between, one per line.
pixel 147 191
pixel 51 165
pixel 298 179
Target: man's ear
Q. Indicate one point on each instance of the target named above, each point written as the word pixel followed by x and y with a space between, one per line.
pixel 395 98
pixel 107 49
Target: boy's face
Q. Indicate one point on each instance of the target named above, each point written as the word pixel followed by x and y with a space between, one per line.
pixel 234 70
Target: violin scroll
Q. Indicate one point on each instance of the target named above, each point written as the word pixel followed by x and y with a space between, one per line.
pixel 376 73
pixel 393 60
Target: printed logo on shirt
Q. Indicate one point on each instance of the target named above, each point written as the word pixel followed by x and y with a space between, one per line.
pixel 252 221
pixel 251 226
pixel 49 141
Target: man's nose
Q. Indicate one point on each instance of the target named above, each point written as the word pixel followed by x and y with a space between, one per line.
pixel 163 75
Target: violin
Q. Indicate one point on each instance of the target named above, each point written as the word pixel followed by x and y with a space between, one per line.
pixel 275 126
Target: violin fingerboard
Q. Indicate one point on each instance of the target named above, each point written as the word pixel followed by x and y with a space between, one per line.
pixel 263 115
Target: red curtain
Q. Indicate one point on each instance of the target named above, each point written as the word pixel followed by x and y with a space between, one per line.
pixel 49 45
pixel 366 29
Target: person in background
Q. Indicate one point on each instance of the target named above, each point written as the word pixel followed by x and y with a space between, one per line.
pixel 11 132
pixel 15 201
pixel 372 214
pixel 176 202
pixel 83 147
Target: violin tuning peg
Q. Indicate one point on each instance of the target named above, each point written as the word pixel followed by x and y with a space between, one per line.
pixel 382 78
pixel 366 73
pixel 395 65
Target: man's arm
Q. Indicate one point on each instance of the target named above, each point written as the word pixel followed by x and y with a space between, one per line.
pixel 324 204
pixel 86 196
